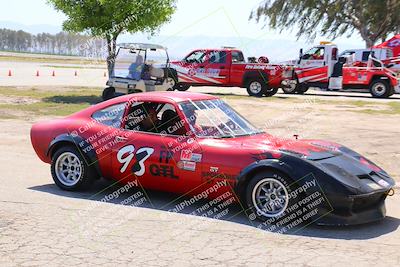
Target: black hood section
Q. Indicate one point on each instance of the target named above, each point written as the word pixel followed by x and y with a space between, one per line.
pixel 351 172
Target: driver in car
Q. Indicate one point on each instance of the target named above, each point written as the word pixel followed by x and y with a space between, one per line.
pixel 149 121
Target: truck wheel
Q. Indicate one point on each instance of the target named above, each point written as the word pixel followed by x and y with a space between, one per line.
pixel 292 88
pixel 108 93
pixel 301 89
pixel 380 89
pixel 256 87
pixel 70 171
pixel 181 87
pixel 270 92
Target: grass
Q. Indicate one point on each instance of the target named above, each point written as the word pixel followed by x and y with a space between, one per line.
pixel 65 101
pixel 76 67
pixel 37 93
pixel 393 108
pixel 41 109
pixel 40 59
pixel 51 103
pixel 390 108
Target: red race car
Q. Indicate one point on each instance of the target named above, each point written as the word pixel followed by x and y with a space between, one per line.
pixel 195 144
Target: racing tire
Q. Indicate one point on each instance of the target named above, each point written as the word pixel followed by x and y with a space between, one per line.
pixel 108 93
pixel 181 87
pixel 380 88
pixel 70 171
pixel 257 199
pixel 256 87
pixel 270 92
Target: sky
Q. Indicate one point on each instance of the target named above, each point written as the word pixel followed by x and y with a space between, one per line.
pixel 221 22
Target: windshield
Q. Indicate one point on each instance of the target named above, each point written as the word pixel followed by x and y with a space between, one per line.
pixel 214 118
pixel 130 63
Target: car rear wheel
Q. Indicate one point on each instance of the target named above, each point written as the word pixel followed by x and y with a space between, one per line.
pixel 380 89
pixel 70 170
pixel 108 93
pixel 267 194
pixel 256 87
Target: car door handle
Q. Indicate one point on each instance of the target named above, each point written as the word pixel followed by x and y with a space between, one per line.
pixel 120 138
pixel 222 67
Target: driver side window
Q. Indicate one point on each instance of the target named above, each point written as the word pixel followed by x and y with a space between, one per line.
pixel 154 117
pixel 316 53
pixel 196 57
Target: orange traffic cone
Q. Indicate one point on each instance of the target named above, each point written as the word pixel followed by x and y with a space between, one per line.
pixel 9 73
pixel 54 73
pixel 76 73
pixel 37 73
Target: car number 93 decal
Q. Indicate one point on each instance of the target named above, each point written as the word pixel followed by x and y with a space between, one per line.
pixel 127 153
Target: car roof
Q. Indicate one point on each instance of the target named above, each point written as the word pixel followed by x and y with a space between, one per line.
pixel 170 96
pixel 142 46
pixel 218 49
pixel 163 96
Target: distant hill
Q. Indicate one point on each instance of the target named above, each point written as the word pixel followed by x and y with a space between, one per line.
pixel 33 29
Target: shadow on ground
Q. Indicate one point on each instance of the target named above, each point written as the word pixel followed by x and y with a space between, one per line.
pixel 74 99
pixel 165 201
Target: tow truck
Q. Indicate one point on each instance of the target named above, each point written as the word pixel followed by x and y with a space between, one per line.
pixel 226 67
pixel 322 68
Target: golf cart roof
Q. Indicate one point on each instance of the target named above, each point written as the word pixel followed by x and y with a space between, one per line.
pixel 141 46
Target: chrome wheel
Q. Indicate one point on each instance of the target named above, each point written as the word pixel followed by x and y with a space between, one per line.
pixel 255 87
pixel 68 169
pixel 379 88
pixel 270 197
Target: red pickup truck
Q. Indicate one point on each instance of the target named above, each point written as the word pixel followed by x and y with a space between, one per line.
pixel 226 67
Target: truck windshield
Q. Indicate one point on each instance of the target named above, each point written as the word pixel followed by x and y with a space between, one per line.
pixel 215 118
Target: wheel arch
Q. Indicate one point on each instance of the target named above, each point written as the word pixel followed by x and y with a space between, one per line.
pixel 379 77
pixel 248 75
pixel 263 165
pixel 78 142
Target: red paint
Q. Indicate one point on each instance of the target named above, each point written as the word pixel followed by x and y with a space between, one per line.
pixel 226 157
pixel 225 72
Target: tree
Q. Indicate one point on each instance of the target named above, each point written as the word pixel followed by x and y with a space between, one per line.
pixel 374 20
pixel 109 18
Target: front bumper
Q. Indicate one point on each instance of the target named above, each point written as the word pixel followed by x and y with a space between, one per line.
pixel 354 209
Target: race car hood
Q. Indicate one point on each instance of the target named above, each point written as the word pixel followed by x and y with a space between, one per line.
pixel 338 161
pixel 307 149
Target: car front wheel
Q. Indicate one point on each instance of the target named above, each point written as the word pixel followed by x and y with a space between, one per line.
pixel 70 170
pixel 267 194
